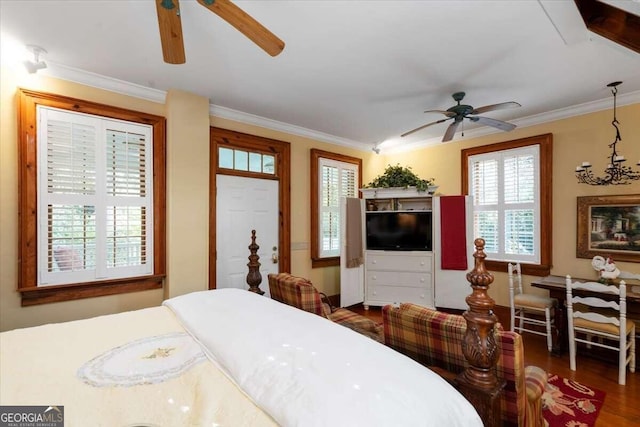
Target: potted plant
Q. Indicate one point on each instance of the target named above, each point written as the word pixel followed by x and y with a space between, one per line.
pixel 402 177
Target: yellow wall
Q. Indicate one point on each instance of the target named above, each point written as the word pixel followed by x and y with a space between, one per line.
pixel 187 193
pixel 188 124
pixel 576 139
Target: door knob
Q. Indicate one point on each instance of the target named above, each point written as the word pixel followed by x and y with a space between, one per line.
pixel 274 255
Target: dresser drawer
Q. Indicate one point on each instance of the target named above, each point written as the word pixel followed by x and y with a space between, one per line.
pixel 381 295
pixel 398 278
pixel 399 261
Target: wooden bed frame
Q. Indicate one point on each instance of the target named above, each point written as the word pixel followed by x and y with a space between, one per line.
pixel 479 382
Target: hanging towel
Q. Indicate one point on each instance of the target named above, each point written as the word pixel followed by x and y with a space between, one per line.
pixel 453 239
pixel 353 243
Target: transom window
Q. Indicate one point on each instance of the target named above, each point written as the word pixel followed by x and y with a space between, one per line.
pixel 229 158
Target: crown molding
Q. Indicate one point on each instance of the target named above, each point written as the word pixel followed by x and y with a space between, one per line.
pixel 251 119
pixel 155 95
pixel 99 81
pixel 131 89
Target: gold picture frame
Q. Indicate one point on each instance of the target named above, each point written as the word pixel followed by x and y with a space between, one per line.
pixel 609 225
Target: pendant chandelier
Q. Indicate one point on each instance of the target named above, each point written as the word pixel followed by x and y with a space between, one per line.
pixel 615 173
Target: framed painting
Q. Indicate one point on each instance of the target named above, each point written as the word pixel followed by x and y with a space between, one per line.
pixel 609 225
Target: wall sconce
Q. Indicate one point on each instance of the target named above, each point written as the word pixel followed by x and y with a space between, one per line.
pixel 615 173
pixel 37 64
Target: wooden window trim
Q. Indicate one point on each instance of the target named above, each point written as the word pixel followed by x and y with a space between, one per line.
pixel 545 142
pixel 316 260
pixel 27 201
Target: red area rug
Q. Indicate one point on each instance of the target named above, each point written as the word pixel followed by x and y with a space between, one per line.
pixel 567 403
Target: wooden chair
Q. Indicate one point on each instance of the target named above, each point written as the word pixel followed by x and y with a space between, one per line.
pixel 607 320
pixel 524 305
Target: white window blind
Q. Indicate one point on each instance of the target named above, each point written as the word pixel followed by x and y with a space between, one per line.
pixel 337 179
pixel 94 198
pixel 506 191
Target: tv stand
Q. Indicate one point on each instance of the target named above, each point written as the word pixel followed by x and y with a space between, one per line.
pixel 394 277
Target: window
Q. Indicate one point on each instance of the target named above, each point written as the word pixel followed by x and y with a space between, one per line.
pixel 240 160
pixel 333 176
pixel 93 203
pixel 94 192
pixel 511 184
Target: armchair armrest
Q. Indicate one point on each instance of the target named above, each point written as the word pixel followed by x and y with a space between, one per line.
pixel 535 383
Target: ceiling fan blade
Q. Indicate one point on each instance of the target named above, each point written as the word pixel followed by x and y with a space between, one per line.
pixel 446 113
pixel 244 23
pixel 170 31
pixel 423 126
pixel 493 107
pixel 451 130
pixel 494 123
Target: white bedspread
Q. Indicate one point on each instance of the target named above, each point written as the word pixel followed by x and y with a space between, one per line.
pixel 307 371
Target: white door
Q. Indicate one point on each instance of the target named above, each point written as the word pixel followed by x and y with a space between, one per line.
pixel 245 204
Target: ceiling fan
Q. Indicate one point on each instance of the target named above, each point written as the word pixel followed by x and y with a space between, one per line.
pixel 171 28
pixel 461 111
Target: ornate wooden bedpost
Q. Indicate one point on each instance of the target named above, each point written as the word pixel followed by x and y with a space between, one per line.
pixel 479 382
pixel 254 278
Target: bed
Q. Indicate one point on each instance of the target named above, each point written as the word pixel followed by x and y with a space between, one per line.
pixel 223 357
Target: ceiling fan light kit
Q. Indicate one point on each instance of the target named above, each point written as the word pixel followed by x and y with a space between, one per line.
pixel 615 173
pixel 461 111
pixel 170 27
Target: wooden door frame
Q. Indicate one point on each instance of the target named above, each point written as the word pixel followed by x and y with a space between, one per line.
pixel 282 151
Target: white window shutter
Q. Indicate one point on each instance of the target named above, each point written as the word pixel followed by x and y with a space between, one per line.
pixel 337 179
pixel 94 198
pixel 506 191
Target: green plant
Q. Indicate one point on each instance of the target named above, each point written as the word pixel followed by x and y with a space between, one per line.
pixel 400 176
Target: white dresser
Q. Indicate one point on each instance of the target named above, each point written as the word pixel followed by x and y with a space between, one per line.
pixel 397 277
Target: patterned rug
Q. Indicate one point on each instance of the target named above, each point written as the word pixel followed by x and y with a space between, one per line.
pixel 567 403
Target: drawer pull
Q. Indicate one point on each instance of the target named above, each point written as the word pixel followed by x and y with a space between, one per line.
pixel 422 280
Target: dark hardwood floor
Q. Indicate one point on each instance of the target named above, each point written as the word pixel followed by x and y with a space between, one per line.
pixel 622 402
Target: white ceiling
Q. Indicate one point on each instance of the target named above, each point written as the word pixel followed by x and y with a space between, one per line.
pixel 352 72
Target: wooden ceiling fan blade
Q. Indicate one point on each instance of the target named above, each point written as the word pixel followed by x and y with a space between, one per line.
pixel 244 23
pixel 170 27
pixel 422 127
pixel 451 130
pixel 446 113
pixel 494 123
pixel 493 107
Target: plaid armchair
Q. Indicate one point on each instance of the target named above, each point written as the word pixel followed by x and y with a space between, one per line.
pixel 300 293
pixel 434 339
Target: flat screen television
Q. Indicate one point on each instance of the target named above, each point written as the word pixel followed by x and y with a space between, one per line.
pixel 399 231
